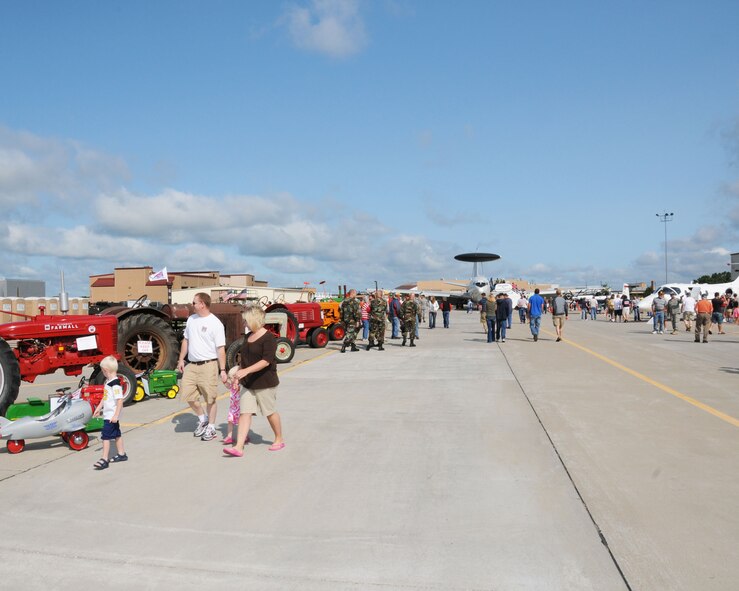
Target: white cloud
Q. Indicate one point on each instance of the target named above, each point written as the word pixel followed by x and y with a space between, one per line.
pixel 331 27
pixel 292 265
pixel 81 242
pixel 35 169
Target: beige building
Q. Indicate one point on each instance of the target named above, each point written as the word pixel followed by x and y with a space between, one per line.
pixel 131 283
pixel 19 309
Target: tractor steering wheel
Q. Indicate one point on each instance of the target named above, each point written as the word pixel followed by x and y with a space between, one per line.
pixel 139 302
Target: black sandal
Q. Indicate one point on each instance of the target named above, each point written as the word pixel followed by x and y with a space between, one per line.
pixel 101 464
pixel 119 458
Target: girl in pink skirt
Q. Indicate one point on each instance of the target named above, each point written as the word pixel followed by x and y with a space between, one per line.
pixel 234 407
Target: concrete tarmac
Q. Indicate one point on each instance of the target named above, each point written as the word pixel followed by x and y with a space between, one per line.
pixel 607 461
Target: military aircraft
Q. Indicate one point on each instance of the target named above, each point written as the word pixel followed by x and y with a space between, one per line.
pixel 477 288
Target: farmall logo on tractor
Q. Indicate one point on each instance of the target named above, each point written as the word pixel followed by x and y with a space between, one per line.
pixel 60 326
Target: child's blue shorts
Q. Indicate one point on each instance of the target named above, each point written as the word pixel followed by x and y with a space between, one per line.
pixel 111 430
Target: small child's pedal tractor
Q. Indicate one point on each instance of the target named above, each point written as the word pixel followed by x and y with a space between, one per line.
pixel 71 418
pixel 160 381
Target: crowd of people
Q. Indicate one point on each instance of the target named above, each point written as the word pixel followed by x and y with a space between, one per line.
pixel 253 383
pixel 404 313
pixel 703 312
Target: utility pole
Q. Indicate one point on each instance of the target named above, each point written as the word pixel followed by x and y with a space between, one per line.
pixel 664 218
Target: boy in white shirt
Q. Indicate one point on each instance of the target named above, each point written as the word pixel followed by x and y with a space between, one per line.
pixel 110 407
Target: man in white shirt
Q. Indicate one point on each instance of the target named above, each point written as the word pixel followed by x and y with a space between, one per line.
pixel 593 308
pixel 688 310
pixel 204 345
pixel 522 306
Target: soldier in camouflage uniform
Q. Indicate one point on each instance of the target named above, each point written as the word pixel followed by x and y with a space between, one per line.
pixel 378 315
pixel 409 317
pixel 351 316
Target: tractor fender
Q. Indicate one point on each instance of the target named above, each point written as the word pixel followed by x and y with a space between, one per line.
pixel 122 312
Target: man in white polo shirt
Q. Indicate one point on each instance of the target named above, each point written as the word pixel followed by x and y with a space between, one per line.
pixel 688 309
pixel 204 345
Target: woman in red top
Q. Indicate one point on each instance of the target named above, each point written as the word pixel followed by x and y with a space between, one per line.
pixel 258 375
pixel 365 308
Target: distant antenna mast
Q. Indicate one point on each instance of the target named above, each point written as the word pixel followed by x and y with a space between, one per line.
pixel 63 297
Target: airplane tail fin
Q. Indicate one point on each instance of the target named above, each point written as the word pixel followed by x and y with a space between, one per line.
pixel 626 291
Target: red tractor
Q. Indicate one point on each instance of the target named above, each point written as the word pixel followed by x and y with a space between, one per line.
pixel 293 325
pixel 43 344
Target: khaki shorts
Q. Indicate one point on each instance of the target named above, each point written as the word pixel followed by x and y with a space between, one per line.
pixel 200 380
pixel 263 401
pixel 688 316
pixel 559 320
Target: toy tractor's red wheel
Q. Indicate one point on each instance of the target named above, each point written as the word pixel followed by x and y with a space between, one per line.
pixel 77 440
pixel 15 446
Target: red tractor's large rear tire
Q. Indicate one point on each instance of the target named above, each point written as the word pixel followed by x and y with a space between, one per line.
pixel 127 378
pixel 293 330
pixel 147 327
pixel 10 377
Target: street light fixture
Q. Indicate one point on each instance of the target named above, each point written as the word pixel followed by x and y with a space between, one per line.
pixel 664 218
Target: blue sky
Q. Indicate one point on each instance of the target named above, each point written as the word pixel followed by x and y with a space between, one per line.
pixel 353 141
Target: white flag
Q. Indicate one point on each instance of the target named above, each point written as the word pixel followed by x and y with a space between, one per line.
pixel 159 275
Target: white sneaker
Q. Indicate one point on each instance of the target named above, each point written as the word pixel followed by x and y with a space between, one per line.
pixel 654 332
pixel 200 429
pixel 210 433
pixel 502 340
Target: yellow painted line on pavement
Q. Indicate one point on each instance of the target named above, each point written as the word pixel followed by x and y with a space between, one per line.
pixel 671 391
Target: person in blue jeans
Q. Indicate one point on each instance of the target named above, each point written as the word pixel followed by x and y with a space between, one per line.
pixel 433 309
pixel 658 310
pixel 536 309
pixel 446 308
pixel 488 308
pixel 394 314
pixel 522 306
pixel 503 314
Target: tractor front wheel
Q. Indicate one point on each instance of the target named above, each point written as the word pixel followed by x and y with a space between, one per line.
pixel 319 338
pixel 337 332
pixel 10 377
pixel 285 350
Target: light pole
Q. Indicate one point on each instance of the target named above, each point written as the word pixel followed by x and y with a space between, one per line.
pixel 664 218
